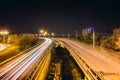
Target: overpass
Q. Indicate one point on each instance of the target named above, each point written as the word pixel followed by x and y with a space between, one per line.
pixel 34 64
pixel 94 65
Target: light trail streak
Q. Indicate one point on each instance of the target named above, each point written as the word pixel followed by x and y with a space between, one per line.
pixel 16 68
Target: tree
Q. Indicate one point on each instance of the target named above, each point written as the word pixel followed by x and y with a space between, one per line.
pixel 23 40
pixel 116 34
pixel 84 33
pixel 112 42
pixel 13 39
pixel 87 36
pixel 108 43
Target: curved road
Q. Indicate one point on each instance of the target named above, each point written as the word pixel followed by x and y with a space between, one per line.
pixel 19 65
pixel 96 61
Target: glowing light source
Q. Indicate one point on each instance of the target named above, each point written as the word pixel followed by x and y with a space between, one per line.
pixel 41 31
pixel 52 34
pixel 45 33
pixel 91 29
pixel 4 32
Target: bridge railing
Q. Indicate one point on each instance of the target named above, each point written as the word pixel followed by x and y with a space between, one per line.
pixel 88 71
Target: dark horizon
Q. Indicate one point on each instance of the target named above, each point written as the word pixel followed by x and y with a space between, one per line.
pixel 60 16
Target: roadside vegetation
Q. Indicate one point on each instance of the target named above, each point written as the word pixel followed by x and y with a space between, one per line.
pixel 18 43
pixel 23 40
pixel 111 42
pixel 108 45
pixel 63 66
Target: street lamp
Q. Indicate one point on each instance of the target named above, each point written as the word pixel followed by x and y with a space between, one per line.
pixel 45 33
pixel 41 32
pixel 4 33
pixel 52 34
pixel 76 34
pixel 68 35
pixel 91 29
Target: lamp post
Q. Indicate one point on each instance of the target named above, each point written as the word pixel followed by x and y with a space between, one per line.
pixel 68 35
pixel 93 34
pixel 45 33
pixel 41 32
pixel 76 34
pixel 52 34
pixel 93 38
pixel 4 33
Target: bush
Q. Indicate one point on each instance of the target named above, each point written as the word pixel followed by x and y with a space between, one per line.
pixel 23 40
pixel 112 42
pixel 109 43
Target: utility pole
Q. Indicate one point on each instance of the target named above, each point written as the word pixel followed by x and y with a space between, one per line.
pixel 93 39
pixel 4 34
pixel 93 34
pixel 62 35
pixel 68 35
pixel 76 35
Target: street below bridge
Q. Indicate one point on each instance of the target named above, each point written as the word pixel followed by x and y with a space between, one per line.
pixel 21 66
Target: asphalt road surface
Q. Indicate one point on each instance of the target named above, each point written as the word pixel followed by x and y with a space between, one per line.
pixel 13 70
pixel 96 61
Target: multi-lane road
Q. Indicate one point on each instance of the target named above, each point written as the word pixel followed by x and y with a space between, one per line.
pixel 13 70
pixel 3 46
pixel 21 65
pixel 95 60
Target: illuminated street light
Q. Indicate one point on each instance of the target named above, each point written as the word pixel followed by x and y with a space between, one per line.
pixel 41 31
pixel 76 34
pixel 91 29
pixel 68 35
pixel 45 33
pixel 52 34
pixel 4 33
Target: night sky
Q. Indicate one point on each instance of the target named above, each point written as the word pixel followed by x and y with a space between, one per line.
pixel 60 16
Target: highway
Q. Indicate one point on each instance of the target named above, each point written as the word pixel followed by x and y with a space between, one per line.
pixel 3 46
pixel 20 65
pixel 101 65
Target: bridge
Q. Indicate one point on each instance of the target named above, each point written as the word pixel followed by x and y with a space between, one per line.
pixel 94 65
pixel 34 64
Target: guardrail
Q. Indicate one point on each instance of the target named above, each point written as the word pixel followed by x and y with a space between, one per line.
pixel 88 71
pixel 23 52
